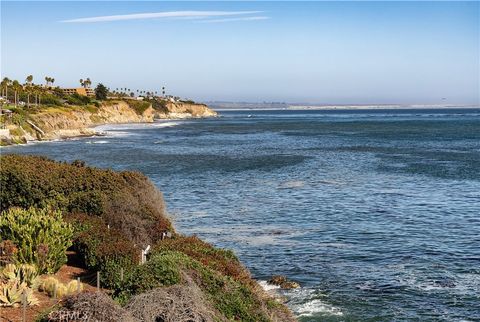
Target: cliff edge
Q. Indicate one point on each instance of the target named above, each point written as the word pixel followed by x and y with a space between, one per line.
pixel 72 121
pixel 108 220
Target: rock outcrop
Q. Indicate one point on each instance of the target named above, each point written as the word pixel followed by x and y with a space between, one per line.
pixel 186 110
pixel 283 282
pixel 64 122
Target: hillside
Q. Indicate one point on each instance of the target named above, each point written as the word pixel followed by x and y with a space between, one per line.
pixel 107 218
pixel 58 122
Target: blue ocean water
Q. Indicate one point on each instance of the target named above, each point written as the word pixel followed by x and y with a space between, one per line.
pixel 375 213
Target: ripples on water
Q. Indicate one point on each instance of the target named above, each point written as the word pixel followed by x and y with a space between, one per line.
pixel 376 213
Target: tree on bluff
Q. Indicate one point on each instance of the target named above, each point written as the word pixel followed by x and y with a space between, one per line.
pixel 101 92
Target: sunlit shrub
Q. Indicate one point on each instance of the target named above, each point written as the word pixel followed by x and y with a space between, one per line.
pixel 138 106
pixel 127 201
pixel 104 249
pixel 41 235
pixel 221 260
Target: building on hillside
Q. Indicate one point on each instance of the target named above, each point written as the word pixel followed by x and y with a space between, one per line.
pixel 80 91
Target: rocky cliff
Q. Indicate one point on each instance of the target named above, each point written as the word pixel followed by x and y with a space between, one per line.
pixel 186 110
pixel 64 122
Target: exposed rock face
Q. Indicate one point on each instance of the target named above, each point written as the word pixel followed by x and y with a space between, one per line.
pixel 70 123
pixel 58 123
pixel 186 110
pixel 283 282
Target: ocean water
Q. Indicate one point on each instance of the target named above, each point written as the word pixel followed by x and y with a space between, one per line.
pixel 375 213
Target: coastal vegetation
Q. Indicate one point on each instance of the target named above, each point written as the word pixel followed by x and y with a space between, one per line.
pixel 42 234
pixel 27 110
pixel 104 219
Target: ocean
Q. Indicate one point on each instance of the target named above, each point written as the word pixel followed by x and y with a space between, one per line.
pixel 376 213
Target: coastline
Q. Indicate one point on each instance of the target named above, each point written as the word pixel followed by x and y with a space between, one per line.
pixel 67 123
pixel 220 286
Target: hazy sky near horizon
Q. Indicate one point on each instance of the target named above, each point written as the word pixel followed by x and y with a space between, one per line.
pixel 316 52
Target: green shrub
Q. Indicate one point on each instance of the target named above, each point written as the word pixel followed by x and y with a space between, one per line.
pixel 49 99
pixel 77 99
pixel 127 201
pixel 41 236
pixel 104 249
pixel 160 270
pixel 16 132
pixel 159 105
pixel 221 260
pixel 233 299
pixel 19 118
pixel 93 108
pixel 138 106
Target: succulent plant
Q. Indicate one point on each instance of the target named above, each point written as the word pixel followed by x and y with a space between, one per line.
pixel 8 272
pixel 24 273
pixel 27 273
pixel 41 235
pixel 48 285
pixel 12 292
pixel 73 287
pixel 53 287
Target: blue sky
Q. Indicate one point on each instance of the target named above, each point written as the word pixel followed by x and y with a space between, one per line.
pixel 316 52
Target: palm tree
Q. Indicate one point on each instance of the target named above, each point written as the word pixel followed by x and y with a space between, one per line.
pixel 38 92
pixel 88 82
pixel 5 83
pixel 48 80
pixel 16 86
pixel 29 81
pixel 82 83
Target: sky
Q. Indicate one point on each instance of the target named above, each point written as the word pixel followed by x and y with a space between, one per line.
pixel 298 52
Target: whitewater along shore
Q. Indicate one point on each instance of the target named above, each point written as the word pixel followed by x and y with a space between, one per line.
pixel 63 122
pixel 112 230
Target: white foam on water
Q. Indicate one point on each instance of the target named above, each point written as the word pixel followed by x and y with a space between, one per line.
pixel 124 130
pixel 114 133
pixel 97 142
pixel 165 124
pixel 316 306
pixel 306 302
pixel 134 126
pixel 268 287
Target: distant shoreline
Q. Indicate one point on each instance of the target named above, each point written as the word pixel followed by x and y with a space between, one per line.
pixel 344 108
